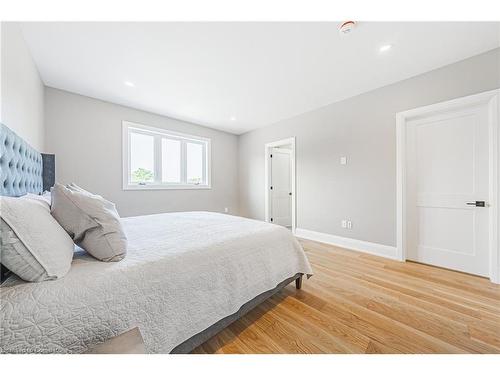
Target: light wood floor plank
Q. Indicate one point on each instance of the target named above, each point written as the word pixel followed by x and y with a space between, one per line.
pixel 424 343
pixel 410 315
pixel 428 302
pixel 477 301
pixel 360 303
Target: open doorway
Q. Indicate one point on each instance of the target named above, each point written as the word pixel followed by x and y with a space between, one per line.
pixel 280 198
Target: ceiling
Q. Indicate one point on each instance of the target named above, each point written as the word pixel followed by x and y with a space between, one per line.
pixel 240 76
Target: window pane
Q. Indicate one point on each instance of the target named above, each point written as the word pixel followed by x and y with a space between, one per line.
pixel 171 160
pixel 194 161
pixel 141 158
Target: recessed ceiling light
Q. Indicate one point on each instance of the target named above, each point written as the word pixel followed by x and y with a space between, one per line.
pixel 233 118
pixel 385 48
pixel 129 84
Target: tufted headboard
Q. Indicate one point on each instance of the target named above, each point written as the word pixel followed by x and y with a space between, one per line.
pixel 22 168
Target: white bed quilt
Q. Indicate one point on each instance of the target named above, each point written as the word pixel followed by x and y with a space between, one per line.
pixel 183 273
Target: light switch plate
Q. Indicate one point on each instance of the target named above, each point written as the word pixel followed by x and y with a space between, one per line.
pixel 344 224
pixel 343 160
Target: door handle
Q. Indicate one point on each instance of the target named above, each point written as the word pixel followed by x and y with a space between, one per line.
pixel 476 203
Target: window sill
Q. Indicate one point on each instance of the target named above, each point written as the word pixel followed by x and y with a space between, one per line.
pixel 167 187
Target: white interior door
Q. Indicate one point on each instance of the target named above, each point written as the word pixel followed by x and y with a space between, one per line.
pixel 447 173
pixel 281 187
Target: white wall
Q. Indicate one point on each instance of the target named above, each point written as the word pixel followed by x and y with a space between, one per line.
pixel 22 90
pixel 363 128
pixel 85 134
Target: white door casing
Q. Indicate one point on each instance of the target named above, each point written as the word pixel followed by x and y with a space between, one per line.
pixel 448 157
pixel 281 186
pixel 290 144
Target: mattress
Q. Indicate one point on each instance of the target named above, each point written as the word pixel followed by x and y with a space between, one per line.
pixel 183 273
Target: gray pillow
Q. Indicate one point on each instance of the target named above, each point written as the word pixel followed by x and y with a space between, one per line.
pixel 91 221
pixel 32 244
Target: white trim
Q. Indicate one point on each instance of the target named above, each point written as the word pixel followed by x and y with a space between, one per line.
pixel 170 133
pixel 268 146
pixel 167 187
pixel 160 132
pixel 494 157
pixel 349 243
pixel 492 99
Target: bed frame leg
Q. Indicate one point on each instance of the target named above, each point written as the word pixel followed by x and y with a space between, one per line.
pixel 298 282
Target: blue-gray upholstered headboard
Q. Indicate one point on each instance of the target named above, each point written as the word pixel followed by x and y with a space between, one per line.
pixel 22 170
pixel 21 166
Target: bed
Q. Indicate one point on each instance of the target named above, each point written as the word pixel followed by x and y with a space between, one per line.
pixel 186 277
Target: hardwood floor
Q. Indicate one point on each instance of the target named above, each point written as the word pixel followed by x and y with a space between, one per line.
pixel 358 303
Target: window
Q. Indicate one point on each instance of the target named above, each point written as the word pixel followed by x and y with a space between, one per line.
pixel 160 159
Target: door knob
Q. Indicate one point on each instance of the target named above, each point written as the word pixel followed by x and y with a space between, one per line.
pixel 477 204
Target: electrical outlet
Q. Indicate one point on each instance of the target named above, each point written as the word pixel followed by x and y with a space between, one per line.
pixel 226 209
pixel 344 224
pixel 343 160
pixel 349 224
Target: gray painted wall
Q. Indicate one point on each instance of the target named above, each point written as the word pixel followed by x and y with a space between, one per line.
pixel 22 89
pixel 86 136
pixel 362 128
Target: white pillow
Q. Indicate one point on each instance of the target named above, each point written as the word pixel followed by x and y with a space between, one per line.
pixel 45 197
pixel 91 220
pixel 33 245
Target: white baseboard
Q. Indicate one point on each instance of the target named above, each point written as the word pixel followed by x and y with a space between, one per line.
pixel 349 243
pixel 495 279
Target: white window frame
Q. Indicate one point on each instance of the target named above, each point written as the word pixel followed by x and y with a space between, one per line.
pixel 159 133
